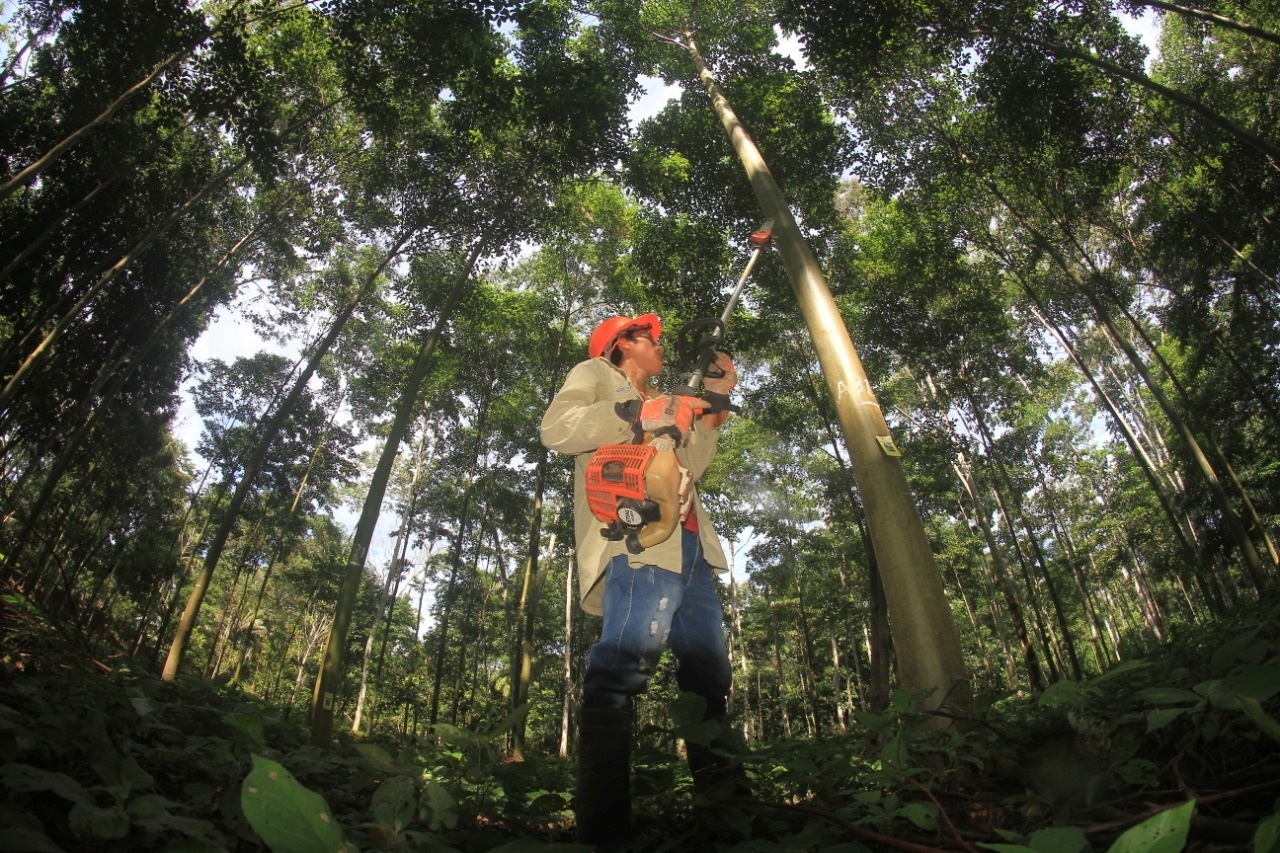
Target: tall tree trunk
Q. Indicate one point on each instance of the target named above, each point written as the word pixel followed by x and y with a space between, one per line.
pixel 283 550
pixel 738 653
pixel 1145 464
pixel 779 672
pixel 118 370
pixel 399 556
pixel 808 672
pixel 468 615
pixel 880 644
pixel 268 434
pixel 41 351
pixel 522 656
pixel 1032 538
pixel 1048 642
pixel 322 703
pixel 34 245
pixel 1258 143
pixel 566 682
pixel 1231 520
pixel 838 682
pixel 455 561
pixel 927 643
pixel 380 609
pixel 1035 673
pixel 1213 18
pixel 30 171
pixel 973 622
pixel 1061 533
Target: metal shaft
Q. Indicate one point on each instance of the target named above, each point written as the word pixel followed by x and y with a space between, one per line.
pixel 695 378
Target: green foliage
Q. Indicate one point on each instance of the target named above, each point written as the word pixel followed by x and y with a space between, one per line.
pixel 288 817
pixel 117 761
pixel 1164 833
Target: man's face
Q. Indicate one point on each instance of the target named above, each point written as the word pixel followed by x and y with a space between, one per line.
pixel 640 347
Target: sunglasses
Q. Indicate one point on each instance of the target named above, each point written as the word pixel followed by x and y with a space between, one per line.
pixel 645 334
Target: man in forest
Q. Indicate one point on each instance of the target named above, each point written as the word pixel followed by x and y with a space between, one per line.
pixel 664 595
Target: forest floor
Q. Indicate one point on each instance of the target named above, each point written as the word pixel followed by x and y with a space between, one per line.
pixel 1177 749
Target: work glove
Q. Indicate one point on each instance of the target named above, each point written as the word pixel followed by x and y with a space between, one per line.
pixel 721 377
pixel 670 414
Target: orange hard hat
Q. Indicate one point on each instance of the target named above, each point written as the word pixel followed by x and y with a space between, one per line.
pixel 608 332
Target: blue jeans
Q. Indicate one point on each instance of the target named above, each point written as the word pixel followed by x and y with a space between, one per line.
pixel 647 609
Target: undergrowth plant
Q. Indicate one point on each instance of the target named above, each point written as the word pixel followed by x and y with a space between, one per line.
pixel 1177 750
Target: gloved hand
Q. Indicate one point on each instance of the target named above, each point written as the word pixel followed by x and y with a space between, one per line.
pixel 721 384
pixel 670 414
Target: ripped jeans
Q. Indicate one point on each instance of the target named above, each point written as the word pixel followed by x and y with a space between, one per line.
pixel 647 609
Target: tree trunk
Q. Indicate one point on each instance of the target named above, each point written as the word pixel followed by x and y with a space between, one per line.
pixel 29 172
pixel 1032 538
pixel 1077 574
pixel 323 699
pixel 251 467
pixel 880 645
pixel 808 672
pixel 522 658
pixel 34 245
pixel 566 702
pixel 1062 51
pixel 118 370
pixel 380 606
pixel 1213 18
pixel 1231 520
pixel 927 642
pixel 284 549
pixel 42 349
pixel 455 560
pixel 34 168
pixel 1035 673
pixel 1145 463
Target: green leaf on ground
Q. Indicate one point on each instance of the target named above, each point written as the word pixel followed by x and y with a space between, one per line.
pixel 1060 839
pixel 1164 833
pixel 26 779
pixel 288 816
pixel 1252 709
pixel 438 807
pixel 1267 837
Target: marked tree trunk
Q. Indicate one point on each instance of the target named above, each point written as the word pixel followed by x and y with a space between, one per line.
pixel 926 641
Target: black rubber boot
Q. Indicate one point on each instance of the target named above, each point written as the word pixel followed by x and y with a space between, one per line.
pixel 716 772
pixel 602 803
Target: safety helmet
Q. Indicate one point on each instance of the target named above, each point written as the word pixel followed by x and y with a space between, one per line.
pixel 608 332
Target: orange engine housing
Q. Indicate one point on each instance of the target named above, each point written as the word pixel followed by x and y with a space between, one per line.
pixel 615 478
pixel 635 490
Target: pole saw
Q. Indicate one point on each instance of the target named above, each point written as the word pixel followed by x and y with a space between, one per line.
pixel 635 488
pixel 710 341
